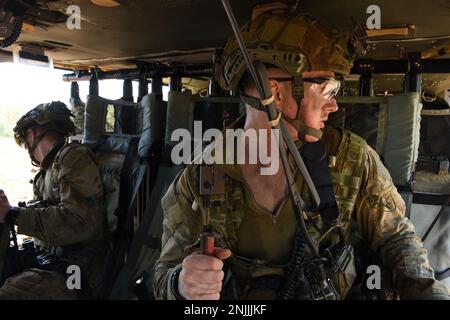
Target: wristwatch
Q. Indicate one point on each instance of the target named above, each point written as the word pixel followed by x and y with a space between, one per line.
pixel 174 284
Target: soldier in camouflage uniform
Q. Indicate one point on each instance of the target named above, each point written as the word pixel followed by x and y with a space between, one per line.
pixel 255 217
pixel 67 219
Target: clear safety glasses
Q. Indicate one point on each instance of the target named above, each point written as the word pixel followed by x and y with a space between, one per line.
pixel 327 87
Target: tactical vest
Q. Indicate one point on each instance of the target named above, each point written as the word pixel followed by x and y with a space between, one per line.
pixel 45 187
pixel 227 213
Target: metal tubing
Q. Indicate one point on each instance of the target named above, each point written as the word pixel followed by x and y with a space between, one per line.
pixel 205 70
pixel 188 71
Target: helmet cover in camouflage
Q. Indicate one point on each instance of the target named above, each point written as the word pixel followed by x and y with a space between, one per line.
pixel 54 116
pixel 293 42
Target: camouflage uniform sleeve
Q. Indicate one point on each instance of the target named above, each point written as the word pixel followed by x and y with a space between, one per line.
pixel 78 217
pixel 38 180
pixel 181 228
pixel 380 214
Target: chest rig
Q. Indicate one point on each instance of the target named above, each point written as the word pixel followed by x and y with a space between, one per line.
pixel 46 188
pixel 226 211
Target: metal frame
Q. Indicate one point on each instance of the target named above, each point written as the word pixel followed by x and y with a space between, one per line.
pixel 146 71
pixel 383 103
pixel 411 67
pixel 429 198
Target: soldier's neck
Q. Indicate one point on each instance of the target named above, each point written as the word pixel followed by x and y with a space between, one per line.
pixel 46 151
pixel 256 119
pixel 267 190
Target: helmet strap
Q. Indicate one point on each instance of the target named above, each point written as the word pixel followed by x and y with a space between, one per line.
pixel 297 122
pixel 253 102
pixel 33 147
pixel 303 129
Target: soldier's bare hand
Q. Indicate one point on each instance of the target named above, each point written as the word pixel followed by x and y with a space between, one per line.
pixel 4 206
pixel 201 275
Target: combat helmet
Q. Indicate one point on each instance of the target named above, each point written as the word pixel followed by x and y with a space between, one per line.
pixel 54 116
pixel 291 41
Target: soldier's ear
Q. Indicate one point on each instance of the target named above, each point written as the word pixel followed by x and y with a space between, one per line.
pixel 276 92
pixel 31 135
pixel 275 87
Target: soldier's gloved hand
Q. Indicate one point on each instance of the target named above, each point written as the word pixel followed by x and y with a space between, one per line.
pixel 201 275
pixel 4 206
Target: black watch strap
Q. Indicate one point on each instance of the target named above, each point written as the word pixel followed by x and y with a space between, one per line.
pixel 174 284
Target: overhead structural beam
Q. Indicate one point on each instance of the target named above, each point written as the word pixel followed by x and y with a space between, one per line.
pixel 361 67
pixel 157 71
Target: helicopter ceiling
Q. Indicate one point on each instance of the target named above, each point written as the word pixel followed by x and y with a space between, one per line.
pixel 117 34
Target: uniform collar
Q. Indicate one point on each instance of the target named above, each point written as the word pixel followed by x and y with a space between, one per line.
pixel 48 159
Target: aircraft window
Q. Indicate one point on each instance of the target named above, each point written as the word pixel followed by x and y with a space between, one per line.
pixel 165 93
pixel 110 119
